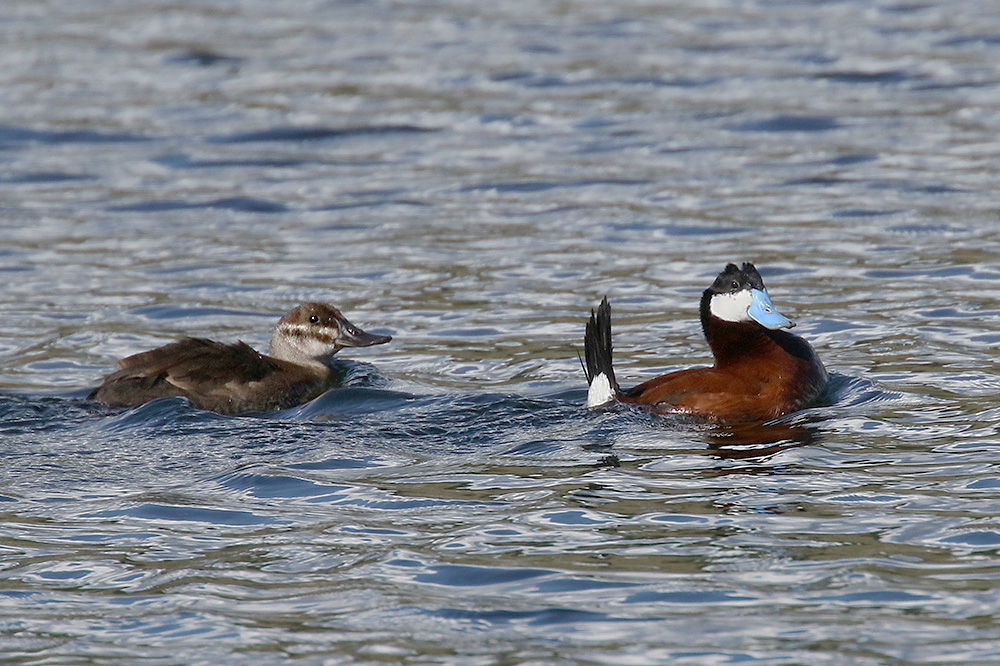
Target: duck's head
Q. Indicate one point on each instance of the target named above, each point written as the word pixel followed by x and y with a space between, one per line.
pixel 313 332
pixel 738 295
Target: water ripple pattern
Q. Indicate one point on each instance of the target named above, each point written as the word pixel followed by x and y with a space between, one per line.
pixel 472 178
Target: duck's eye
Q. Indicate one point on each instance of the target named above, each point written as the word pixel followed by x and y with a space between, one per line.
pixel 313 319
pixel 736 285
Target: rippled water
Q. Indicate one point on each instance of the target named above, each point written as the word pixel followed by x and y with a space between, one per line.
pixel 472 178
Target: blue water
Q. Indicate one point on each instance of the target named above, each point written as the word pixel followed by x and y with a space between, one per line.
pixel 472 178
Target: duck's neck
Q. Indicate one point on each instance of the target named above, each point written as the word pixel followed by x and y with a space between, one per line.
pixel 285 350
pixel 732 341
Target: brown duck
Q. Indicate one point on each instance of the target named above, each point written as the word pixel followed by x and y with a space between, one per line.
pixel 234 378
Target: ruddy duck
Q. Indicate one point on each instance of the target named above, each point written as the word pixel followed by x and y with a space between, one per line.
pixel 234 378
pixel 760 372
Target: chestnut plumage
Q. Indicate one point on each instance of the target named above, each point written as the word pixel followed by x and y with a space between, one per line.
pixel 761 372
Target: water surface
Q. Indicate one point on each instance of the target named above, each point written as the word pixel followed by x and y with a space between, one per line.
pixel 472 178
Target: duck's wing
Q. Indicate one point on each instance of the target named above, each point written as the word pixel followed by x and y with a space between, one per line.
pixel 714 394
pixel 194 360
pixel 203 370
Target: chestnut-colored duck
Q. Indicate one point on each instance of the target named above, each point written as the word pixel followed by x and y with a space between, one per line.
pixel 761 372
pixel 234 378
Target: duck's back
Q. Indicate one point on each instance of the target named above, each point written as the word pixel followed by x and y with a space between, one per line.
pixel 782 376
pixel 226 378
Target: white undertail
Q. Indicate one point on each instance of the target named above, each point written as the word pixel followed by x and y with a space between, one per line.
pixel 600 391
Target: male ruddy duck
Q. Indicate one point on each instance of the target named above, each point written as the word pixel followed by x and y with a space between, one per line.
pixel 234 378
pixel 760 372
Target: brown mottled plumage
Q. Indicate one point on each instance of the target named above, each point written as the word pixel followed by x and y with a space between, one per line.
pixel 234 378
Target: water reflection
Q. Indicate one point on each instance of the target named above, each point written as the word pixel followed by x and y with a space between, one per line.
pixel 753 440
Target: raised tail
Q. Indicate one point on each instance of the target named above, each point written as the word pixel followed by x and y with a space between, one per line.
pixel 597 350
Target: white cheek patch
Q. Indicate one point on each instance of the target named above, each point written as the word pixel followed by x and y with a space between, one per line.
pixel 731 307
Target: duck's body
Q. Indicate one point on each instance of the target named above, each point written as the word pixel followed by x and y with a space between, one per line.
pixel 234 378
pixel 760 371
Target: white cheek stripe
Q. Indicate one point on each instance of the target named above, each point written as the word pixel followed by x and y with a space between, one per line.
pixel 310 331
pixel 731 307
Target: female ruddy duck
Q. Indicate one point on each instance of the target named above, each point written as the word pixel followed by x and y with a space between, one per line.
pixel 235 379
pixel 760 372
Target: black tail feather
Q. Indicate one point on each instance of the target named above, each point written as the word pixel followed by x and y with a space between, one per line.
pixel 597 345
